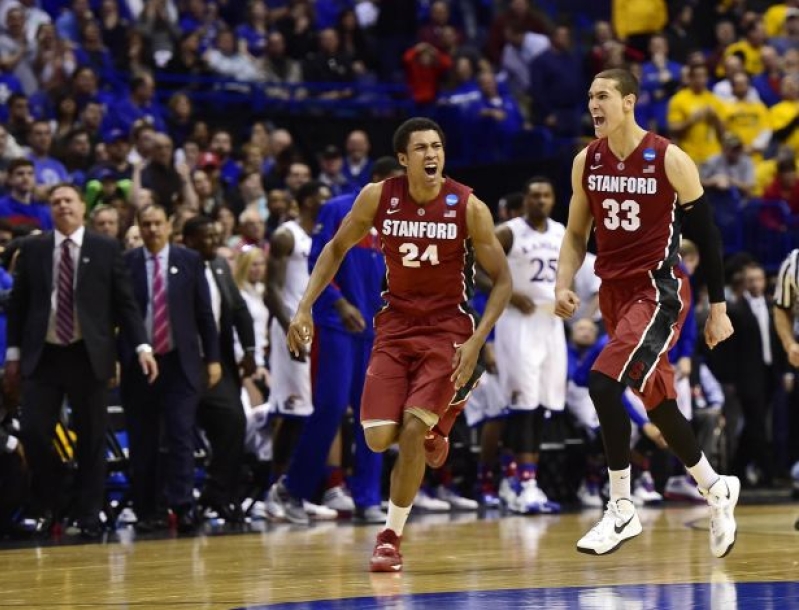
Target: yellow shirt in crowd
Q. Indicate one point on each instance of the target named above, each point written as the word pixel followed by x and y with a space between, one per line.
pixel 631 17
pixel 753 62
pixel 783 113
pixel 700 141
pixel 774 19
pixel 746 120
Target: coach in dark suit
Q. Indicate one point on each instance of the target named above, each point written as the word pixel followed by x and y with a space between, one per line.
pixel 170 287
pixel 71 291
pixel 221 413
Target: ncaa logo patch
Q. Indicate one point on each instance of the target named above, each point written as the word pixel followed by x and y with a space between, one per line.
pixel 649 154
pixel 451 199
pixel 394 202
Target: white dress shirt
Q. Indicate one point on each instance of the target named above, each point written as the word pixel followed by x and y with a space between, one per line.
pixel 760 309
pixel 216 296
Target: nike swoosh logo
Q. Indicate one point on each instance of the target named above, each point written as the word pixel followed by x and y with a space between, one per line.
pixel 389 212
pixel 624 525
pixel 593 167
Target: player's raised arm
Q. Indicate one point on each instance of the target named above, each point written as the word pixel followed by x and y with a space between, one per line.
pixel 575 240
pixel 491 258
pixel 354 228
pixel 701 228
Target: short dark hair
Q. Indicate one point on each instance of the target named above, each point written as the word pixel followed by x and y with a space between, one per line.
pixel 102 207
pixel 195 224
pixel 14 97
pixel 15 164
pixel 309 189
pixel 384 167
pixel 512 202
pixel 403 134
pixel 65 185
pixel 538 179
pixel 149 207
pixel 626 82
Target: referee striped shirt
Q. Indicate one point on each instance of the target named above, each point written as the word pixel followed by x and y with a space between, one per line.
pixel 787 290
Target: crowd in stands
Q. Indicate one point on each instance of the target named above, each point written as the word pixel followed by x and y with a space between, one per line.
pixel 102 94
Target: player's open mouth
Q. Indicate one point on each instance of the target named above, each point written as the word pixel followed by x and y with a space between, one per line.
pixel 599 121
pixel 430 170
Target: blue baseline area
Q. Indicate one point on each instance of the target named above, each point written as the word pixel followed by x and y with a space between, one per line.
pixel 721 596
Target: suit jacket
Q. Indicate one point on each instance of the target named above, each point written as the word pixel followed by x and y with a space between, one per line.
pixel 190 313
pixel 103 299
pixel 235 314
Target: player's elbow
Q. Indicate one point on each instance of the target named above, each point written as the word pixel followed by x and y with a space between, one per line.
pixel 503 284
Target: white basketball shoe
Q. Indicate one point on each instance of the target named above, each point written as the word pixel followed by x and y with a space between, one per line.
pixel 722 498
pixel 619 523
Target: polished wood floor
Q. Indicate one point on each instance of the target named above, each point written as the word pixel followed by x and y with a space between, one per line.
pixel 443 553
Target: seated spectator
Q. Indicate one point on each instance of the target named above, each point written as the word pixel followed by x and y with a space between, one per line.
pixel 495 118
pixel 724 36
pixel 252 231
pixel 331 66
pixel 557 85
pixel 140 105
pixel 19 207
pixel 331 165
pixel 785 186
pixel 65 121
pixel 162 176
pixel 180 118
pixel 54 61
pixel 91 119
pixel 104 188
pixel 784 116
pixel 139 57
pixel 789 35
pixel 158 23
pixel 9 84
pixel 425 68
pixel 227 60
pixel 731 169
pixel 9 150
pixel 49 171
pixel 279 202
pixel 357 164
pixel 114 31
pixel 298 174
pixel 723 88
pixel 750 47
pixel 93 53
pixel 78 156
pixel 746 119
pixel 767 83
pixel 280 68
pixel 105 221
pixel 298 29
pixel 431 32
pixel 660 78
pixel 143 140
pixel 521 48
pixel 224 216
pixel 222 146
pixel 132 238
pixel 209 196
pixel 187 65
pixel 252 195
pixel 519 12
pixel 69 22
pixel 117 149
pixel 695 117
pixel 254 31
pixel 352 37
pixel 16 56
pixel 19 119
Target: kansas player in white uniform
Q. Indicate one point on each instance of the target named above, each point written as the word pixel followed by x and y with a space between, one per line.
pixel 290 397
pixel 530 341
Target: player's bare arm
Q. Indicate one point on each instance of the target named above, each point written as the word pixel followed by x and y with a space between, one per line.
pixel 684 177
pixel 783 324
pixel 575 241
pixel 518 300
pixel 280 248
pixel 490 256
pixel 354 228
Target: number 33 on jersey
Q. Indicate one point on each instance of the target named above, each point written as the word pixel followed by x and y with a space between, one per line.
pixel 635 208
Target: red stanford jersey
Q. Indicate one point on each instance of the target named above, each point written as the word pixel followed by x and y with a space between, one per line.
pixel 635 209
pixel 429 261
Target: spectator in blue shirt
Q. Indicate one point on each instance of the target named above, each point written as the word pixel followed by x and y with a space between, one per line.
pixel 141 104
pixel 48 170
pixel 18 207
pixel 557 85
pixel 255 30
pixel 495 119
pixel 9 84
pixel 357 164
pixel 660 78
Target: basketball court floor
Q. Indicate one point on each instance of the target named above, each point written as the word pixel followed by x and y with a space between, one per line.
pixel 452 561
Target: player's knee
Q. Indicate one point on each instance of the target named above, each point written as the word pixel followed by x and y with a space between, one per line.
pixel 380 438
pixel 604 391
pixel 412 435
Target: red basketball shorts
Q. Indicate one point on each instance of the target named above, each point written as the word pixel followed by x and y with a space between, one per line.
pixel 411 364
pixel 643 317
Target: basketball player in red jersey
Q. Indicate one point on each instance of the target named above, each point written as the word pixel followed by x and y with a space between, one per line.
pixel 427 340
pixel 637 190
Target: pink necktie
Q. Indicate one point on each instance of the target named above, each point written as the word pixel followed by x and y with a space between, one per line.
pixel 65 321
pixel 160 311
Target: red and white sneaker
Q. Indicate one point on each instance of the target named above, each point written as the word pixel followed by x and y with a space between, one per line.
pixel 386 556
pixel 436 449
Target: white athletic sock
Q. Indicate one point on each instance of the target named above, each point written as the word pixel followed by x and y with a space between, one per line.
pixel 619 484
pixel 703 473
pixel 397 516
